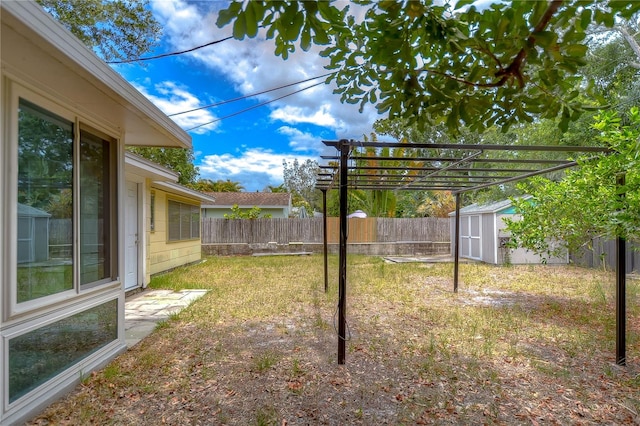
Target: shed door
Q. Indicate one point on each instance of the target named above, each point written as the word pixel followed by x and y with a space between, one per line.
pixel 131 236
pixel 470 237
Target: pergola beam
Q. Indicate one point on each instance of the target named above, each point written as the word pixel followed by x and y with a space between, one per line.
pixel 350 163
pixel 466 147
pixel 446 160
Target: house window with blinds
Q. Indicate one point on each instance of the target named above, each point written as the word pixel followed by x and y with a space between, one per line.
pixel 184 221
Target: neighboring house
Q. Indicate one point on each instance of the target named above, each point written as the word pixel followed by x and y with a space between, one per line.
pixel 483 235
pixel 276 204
pixel 162 224
pixel 66 117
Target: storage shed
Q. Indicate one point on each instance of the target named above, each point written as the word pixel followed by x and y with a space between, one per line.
pixel 483 236
pixel 33 234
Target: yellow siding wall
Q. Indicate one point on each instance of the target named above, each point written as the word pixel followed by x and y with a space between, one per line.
pixel 165 255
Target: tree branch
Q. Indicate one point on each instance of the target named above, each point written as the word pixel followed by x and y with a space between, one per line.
pixel 515 68
pixel 631 41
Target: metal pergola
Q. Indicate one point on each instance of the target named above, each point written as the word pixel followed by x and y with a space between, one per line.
pixel 457 168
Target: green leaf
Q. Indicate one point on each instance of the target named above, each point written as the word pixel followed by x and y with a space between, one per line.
pixel 305 38
pixel 462 3
pixel 225 16
pixel 546 39
pixel 575 50
pixel 320 35
pixel 585 19
pixel 452 120
pixel 251 24
pixel 240 27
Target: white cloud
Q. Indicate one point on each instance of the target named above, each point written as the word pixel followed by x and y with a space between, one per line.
pixel 293 115
pixel 252 66
pixel 172 98
pixel 302 141
pixel 254 168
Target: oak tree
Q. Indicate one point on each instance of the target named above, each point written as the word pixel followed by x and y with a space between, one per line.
pixel 451 62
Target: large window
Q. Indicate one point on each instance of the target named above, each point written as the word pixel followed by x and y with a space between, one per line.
pixel 66 188
pixel 184 221
pixel 96 208
pixel 45 199
pixel 38 355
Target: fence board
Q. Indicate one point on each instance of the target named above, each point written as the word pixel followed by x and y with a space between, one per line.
pixel 603 255
pixel 284 231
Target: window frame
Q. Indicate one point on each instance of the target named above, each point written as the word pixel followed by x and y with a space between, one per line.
pixel 152 211
pixel 182 215
pixel 16 92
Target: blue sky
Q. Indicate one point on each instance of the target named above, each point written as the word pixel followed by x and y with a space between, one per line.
pixel 250 147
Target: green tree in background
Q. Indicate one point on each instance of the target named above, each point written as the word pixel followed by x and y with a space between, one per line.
pixel 275 189
pixel 121 30
pixel 252 213
pixel 207 185
pixel 177 159
pixel 300 181
pixel 587 203
pixel 115 29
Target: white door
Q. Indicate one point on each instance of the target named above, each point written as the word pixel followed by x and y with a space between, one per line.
pixel 470 238
pixel 131 236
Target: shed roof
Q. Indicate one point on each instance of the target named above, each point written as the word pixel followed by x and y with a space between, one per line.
pixel 249 199
pixel 502 206
pixel 25 210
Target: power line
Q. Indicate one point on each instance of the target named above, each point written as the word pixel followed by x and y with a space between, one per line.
pixel 254 106
pixel 251 95
pixel 164 55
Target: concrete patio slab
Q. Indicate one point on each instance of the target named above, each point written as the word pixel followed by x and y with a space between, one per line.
pixel 144 310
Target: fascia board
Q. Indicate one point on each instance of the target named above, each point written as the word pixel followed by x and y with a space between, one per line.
pixel 35 24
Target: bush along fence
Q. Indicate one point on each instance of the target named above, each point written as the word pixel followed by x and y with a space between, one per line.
pixel 376 236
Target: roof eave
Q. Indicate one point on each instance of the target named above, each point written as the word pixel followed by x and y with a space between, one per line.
pixel 143 122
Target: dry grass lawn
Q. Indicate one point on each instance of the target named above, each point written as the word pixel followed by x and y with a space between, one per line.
pixel 516 345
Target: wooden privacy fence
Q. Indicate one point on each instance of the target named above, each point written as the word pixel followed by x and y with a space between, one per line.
pixel 603 255
pixel 285 231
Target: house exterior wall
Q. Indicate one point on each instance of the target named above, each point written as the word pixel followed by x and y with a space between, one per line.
pixel 60 315
pixel 164 254
pixel 65 117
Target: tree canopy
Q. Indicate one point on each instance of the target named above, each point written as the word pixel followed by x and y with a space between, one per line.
pixel 115 29
pixel 208 185
pixel 177 159
pixel 300 181
pixel 606 207
pixel 450 63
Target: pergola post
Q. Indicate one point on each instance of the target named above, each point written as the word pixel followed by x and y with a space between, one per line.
pixel 441 174
pixel 621 286
pixel 324 232
pixel 342 279
pixel 456 245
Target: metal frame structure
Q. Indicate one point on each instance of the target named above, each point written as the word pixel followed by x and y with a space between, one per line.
pixel 464 168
